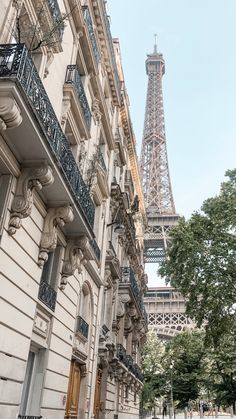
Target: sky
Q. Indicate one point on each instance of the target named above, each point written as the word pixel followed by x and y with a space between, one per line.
pixel 198 41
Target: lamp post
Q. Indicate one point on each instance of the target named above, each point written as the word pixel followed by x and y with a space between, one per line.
pixel 171 391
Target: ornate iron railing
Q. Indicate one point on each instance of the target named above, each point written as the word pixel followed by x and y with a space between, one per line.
pixel 127 276
pixel 16 63
pixel 47 295
pixel 95 248
pixel 89 23
pixel 57 17
pixel 28 417
pixel 128 361
pixel 101 160
pixel 82 327
pixel 73 77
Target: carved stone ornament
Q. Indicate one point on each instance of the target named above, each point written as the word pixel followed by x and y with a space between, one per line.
pixel 84 244
pixel 123 299
pixel 128 325
pixel 30 179
pixel 56 217
pixel 10 114
pixel 96 111
pixel 72 262
pixel 66 103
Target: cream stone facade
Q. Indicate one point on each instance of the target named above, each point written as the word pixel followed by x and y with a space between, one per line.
pixel 71 217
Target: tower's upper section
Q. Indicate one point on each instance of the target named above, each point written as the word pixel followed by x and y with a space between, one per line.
pixel 155 63
pixel 154 163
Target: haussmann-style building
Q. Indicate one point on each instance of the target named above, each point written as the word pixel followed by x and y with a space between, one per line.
pixel 71 217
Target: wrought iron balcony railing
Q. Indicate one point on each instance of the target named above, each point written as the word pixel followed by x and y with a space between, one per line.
pixel 73 77
pixel 89 23
pixel 82 327
pixel 127 276
pixel 47 295
pixel 16 64
pixel 128 362
pixel 57 17
pixel 95 248
pixel 29 417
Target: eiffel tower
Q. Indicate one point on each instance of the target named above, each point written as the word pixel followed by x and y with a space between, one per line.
pixel 160 207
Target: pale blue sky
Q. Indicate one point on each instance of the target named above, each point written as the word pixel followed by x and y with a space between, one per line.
pixel 197 39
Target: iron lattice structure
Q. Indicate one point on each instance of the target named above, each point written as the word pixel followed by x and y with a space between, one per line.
pixel 157 189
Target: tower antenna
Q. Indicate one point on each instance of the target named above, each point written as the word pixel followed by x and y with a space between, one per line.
pixel 155 44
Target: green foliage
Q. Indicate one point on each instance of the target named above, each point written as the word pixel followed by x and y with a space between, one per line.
pixel 197 369
pixel 223 371
pixel 201 261
pixel 153 370
pixel 186 354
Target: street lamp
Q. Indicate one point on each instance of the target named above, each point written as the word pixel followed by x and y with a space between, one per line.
pixel 171 390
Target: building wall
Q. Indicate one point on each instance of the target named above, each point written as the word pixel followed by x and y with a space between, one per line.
pixel 51 357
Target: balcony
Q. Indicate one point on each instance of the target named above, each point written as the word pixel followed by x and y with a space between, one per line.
pixel 128 279
pixel 73 77
pixel 17 66
pixel 29 417
pixel 82 327
pixel 47 295
pixel 96 249
pixel 128 362
pixel 92 36
pixel 52 25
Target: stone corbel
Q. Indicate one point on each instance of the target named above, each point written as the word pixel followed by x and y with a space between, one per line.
pixel 50 58
pixel 30 179
pixel 96 111
pixel 10 114
pixel 73 261
pixel 56 217
pixel 128 325
pixel 66 103
pixel 84 245
pixel 122 301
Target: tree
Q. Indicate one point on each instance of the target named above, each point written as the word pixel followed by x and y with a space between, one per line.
pixel 223 370
pixel 152 368
pixel 201 261
pixel 186 354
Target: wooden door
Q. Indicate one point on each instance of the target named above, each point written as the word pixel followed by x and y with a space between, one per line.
pixel 97 394
pixel 73 391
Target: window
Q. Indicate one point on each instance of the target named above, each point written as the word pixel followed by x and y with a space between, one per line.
pixel 33 382
pixel 49 279
pixel 84 317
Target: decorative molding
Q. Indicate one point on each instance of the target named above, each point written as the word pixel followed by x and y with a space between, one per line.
pixel 123 299
pixel 73 260
pixel 10 113
pixel 84 244
pixel 30 179
pixel 56 217
pixel 96 111
pixel 66 104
